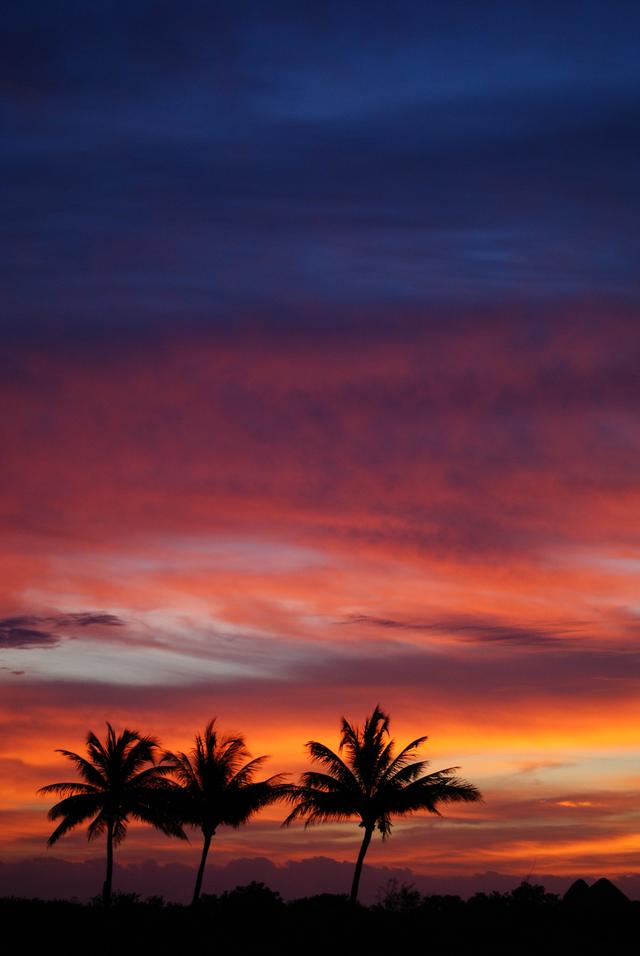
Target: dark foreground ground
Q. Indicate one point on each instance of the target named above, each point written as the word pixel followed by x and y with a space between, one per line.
pixel 254 919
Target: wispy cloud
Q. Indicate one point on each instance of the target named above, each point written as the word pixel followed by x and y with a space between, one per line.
pixel 477 630
pixel 534 766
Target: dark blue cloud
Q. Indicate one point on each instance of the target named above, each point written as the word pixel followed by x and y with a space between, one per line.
pixel 477 630
pixel 198 164
pixel 27 630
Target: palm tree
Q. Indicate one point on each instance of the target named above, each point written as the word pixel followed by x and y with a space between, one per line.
pixel 217 787
pixel 122 780
pixel 372 783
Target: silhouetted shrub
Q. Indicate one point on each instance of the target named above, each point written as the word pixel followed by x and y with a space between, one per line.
pixel 398 897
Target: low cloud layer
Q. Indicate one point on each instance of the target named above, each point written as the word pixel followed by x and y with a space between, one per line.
pixel 53 878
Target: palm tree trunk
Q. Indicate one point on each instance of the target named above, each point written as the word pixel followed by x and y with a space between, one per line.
pixel 366 840
pixel 203 861
pixel 106 889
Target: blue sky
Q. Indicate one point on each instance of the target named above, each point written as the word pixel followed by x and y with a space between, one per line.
pixel 203 164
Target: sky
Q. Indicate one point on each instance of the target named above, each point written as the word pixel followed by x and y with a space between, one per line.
pixel 320 390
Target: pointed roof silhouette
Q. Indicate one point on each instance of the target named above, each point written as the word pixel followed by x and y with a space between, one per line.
pixel 577 894
pixel 603 894
pixel 606 894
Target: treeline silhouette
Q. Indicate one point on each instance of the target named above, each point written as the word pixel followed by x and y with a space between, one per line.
pixel 130 777
pixel 254 919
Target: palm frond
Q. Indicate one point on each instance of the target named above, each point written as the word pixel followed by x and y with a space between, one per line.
pixel 91 773
pixel 151 776
pixel 375 727
pixel 135 753
pixel 241 803
pixel 183 769
pixel 384 760
pixel 319 806
pixel 383 825
pixel 98 753
pixel 80 805
pixel 366 748
pixel 67 789
pixel 428 793
pixel 120 829
pixel 404 757
pixel 245 774
pixel 317 780
pixel 159 815
pixel 232 753
pixel 68 824
pixel 74 810
pixel 98 826
pixel 405 775
pixel 333 763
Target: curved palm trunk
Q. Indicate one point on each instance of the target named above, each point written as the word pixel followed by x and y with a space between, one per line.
pixel 366 840
pixel 106 888
pixel 203 861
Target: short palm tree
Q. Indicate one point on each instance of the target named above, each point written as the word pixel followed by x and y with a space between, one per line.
pixel 217 787
pixel 372 784
pixel 122 781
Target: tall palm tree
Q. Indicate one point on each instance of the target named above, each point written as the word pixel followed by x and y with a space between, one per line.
pixel 371 783
pixel 122 780
pixel 217 787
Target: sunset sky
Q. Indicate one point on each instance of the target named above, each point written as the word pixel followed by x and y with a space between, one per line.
pixel 320 389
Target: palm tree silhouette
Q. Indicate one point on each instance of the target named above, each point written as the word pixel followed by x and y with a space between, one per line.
pixel 372 784
pixel 122 780
pixel 217 787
